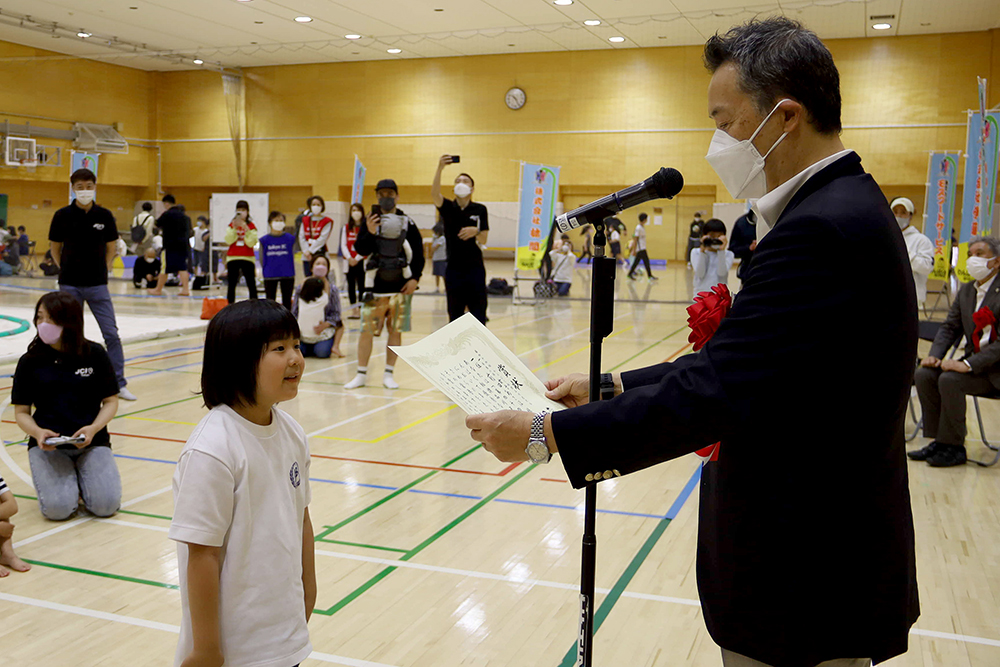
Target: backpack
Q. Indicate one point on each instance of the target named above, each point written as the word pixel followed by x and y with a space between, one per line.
pixel 499 286
pixel 139 229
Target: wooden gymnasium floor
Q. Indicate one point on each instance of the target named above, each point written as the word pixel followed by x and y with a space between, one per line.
pixel 432 553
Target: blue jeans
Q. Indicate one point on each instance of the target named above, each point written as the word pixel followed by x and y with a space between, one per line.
pixel 99 299
pixel 62 476
pixel 321 350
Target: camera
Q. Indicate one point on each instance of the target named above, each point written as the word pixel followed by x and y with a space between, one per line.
pixel 710 242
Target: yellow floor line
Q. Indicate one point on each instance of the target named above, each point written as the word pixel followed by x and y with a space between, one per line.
pixel 575 352
pixel 392 433
pixel 163 421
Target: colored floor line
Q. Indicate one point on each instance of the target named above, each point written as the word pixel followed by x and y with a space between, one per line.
pixel 106 575
pixel 644 351
pixel 170 351
pixel 350 597
pixel 123 435
pixel 363 546
pixel 179 354
pixel 578 351
pixel 392 433
pixel 145 514
pixel 626 577
pixel 502 473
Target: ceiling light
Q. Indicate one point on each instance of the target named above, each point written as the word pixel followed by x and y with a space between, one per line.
pixel 616 40
pixel 563 2
pixel 352 36
pixel 394 51
pixel 198 61
pixel 83 35
pixel 592 22
pixel 303 19
pixel 881 26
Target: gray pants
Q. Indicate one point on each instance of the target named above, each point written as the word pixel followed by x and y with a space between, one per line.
pixel 62 476
pixel 730 659
pixel 942 401
pixel 99 299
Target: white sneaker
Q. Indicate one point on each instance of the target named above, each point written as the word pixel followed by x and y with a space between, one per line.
pixel 389 382
pixel 126 395
pixel 359 381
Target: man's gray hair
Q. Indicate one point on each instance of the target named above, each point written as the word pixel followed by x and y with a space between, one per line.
pixel 992 243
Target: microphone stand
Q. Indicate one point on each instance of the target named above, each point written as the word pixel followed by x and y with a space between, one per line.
pixel 602 304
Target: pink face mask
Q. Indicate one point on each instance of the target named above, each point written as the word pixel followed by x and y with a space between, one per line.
pixel 320 270
pixel 49 333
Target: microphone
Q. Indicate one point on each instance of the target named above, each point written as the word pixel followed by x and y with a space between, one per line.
pixel 664 184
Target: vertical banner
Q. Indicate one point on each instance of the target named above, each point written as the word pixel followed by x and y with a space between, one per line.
pixel 81 161
pixel 357 191
pixel 980 184
pixel 536 211
pixel 939 208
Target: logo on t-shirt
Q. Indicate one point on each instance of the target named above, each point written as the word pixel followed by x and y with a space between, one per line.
pixel 84 372
pixel 98 226
pixel 293 474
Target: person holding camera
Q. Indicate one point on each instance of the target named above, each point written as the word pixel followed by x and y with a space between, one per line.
pixel 711 262
pixel 466 228
pixel 72 385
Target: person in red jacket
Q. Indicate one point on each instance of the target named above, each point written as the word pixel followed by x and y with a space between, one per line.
pixel 241 237
pixel 314 232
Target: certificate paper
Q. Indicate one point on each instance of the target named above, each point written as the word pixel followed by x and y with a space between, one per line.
pixel 470 365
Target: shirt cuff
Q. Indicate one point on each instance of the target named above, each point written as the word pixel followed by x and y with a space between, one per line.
pixel 967 364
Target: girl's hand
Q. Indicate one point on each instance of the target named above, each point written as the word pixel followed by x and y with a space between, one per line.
pixel 204 659
pixel 88 432
pixel 44 434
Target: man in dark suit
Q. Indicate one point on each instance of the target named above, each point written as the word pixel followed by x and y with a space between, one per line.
pixel 743 241
pixel 943 384
pixel 803 558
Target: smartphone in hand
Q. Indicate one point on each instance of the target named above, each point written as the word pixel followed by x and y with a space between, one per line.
pixel 455 159
pixel 64 440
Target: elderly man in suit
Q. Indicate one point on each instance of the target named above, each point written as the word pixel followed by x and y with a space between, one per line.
pixel 943 384
pixel 803 559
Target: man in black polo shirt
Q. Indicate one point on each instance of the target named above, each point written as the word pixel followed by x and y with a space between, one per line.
pixel 175 226
pixel 82 240
pixel 466 228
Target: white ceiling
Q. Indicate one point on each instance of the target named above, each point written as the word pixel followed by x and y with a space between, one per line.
pixel 263 32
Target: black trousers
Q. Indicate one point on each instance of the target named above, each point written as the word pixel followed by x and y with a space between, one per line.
pixel 355 281
pixel 287 286
pixel 942 401
pixel 249 271
pixel 466 288
pixel 641 255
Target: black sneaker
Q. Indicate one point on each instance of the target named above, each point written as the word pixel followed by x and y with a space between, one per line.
pixel 924 453
pixel 947 456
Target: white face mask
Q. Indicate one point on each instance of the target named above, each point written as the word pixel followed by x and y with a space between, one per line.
pixel 278 226
pixel 316 209
pixel 976 266
pixel 739 164
pixel 902 222
pixel 85 196
pixel 462 190
pixel 356 216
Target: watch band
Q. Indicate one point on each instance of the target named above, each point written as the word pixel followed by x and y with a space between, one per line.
pixel 607 386
pixel 538 427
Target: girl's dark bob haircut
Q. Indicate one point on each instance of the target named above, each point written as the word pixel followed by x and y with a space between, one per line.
pixel 67 312
pixel 237 338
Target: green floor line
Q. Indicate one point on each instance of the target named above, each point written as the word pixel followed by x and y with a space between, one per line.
pixel 353 595
pixel 106 575
pixel 132 512
pixel 16 442
pixel 363 546
pixel 637 354
pixel 157 407
pixel 401 490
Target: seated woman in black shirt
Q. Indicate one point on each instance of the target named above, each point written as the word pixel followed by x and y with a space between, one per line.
pixel 70 382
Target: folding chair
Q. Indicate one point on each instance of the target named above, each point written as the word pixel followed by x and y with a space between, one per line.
pixel 927 331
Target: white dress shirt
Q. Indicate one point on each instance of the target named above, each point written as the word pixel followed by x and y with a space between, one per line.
pixel 769 207
pixel 921 253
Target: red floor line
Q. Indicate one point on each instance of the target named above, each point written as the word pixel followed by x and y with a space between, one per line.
pixel 124 435
pixel 546 479
pixel 413 465
pixel 674 355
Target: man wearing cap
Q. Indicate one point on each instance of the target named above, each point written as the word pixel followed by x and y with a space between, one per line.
pixel 918 246
pixel 392 291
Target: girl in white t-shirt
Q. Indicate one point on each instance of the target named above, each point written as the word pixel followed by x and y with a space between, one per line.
pixel 245 550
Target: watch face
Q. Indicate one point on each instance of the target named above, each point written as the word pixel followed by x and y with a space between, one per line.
pixel 538 451
pixel 515 98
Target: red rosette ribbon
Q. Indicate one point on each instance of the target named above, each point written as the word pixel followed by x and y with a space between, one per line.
pixel 704 317
pixel 983 318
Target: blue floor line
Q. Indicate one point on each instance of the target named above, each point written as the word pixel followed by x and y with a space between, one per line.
pixel 162 370
pixel 162 352
pixel 671 513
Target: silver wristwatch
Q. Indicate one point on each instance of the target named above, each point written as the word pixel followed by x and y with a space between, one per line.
pixel 537 449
